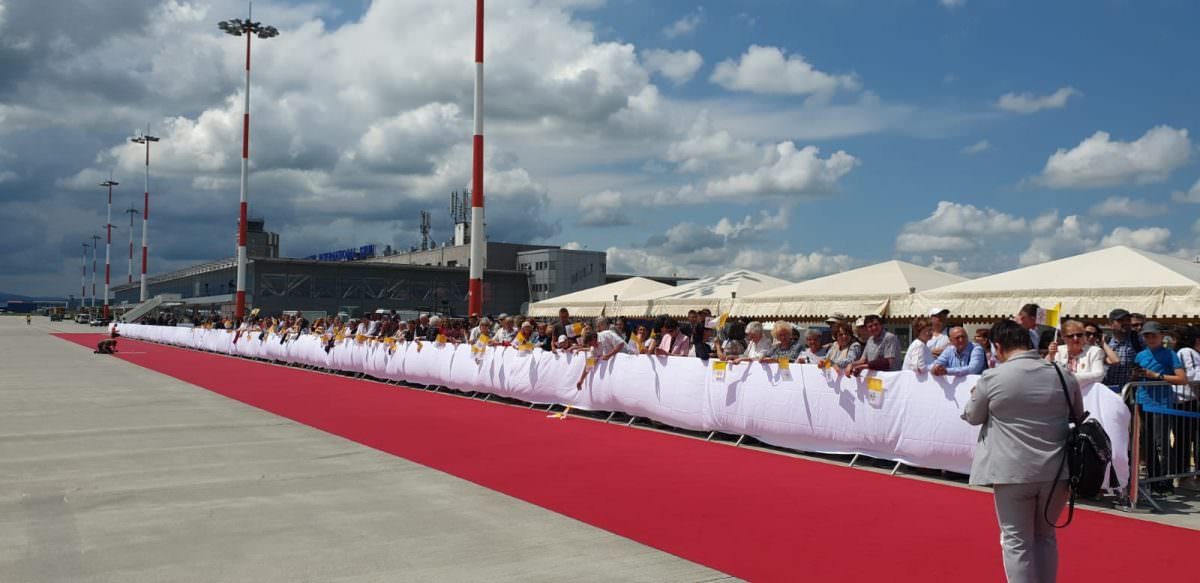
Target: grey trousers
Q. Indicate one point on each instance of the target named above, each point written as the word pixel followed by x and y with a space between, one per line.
pixel 1027 540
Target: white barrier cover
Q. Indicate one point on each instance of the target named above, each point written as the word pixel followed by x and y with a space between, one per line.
pixel 899 416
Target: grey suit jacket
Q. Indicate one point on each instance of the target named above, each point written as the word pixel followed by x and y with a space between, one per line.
pixel 1021 406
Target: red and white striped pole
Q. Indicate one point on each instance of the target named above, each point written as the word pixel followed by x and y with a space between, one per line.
pixel 240 306
pixel 108 245
pixel 248 28
pixel 131 211
pixel 83 278
pixel 95 244
pixel 146 139
pixel 478 251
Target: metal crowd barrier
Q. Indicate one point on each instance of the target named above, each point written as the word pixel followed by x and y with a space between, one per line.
pixel 1164 436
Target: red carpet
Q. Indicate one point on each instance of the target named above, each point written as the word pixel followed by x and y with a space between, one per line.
pixel 755 515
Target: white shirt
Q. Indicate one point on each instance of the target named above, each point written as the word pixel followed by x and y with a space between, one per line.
pixel 919 357
pixel 757 350
pixel 1088 367
pixel 607 341
pixel 939 341
pixel 1191 364
pixel 503 335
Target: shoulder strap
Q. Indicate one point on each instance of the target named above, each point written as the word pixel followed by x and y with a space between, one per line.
pixel 1062 381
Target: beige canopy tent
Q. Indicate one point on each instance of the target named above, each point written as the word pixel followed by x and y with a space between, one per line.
pixel 1089 285
pixel 866 290
pixel 592 301
pixel 715 293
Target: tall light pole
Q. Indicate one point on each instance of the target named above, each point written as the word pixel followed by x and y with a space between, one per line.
pixel 247 28
pixel 83 279
pixel 146 139
pixel 131 211
pixel 95 244
pixel 478 252
pixel 109 184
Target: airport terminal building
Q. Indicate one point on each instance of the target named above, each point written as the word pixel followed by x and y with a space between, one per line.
pixel 366 279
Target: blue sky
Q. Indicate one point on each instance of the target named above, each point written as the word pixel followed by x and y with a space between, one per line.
pixel 677 136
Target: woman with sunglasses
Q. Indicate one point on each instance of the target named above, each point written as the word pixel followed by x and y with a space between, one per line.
pixel 1078 355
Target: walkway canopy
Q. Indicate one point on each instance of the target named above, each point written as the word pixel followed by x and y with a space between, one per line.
pixel 592 301
pixel 1088 285
pixel 716 293
pixel 866 290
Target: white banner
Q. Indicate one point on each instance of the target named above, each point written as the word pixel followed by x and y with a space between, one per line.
pixel 899 416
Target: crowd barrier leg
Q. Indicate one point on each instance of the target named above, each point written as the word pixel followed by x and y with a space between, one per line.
pixel 895 468
pixel 610 416
pixel 739 441
pixel 853 460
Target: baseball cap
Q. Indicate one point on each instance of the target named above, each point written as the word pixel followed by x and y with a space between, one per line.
pixel 1118 314
pixel 937 311
pixel 835 318
pixel 861 321
pixel 1151 327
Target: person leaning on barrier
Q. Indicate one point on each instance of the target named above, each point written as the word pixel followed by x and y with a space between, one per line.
pixel 1025 423
pixel 919 356
pixel 758 344
pixel 785 345
pixel 609 341
pixel 1085 361
pixel 881 351
pixel 845 348
pixel 962 357
pixel 814 348
pixel 1159 363
pixel 671 340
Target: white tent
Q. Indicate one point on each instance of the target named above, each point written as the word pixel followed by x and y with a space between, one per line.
pixel 715 293
pixel 592 301
pixel 1088 285
pixel 866 290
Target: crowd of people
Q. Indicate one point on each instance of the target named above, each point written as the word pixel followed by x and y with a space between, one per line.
pixel 1132 349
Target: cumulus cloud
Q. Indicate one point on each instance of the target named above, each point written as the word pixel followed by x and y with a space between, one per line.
pixel 1149 239
pixel 678 66
pixel 787 170
pixel 977 148
pixel 687 24
pixel 1073 236
pixel 770 70
pixel 1123 206
pixel 1191 196
pixel 1101 161
pixel 1026 103
pixel 603 210
pixel 697 250
pixel 957 227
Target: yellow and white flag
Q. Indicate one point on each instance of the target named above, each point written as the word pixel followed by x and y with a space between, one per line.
pixel 875 391
pixel 1049 316
pixel 575 330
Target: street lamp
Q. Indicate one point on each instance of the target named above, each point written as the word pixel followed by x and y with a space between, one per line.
pixel 131 211
pixel 109 184
pixel 247 28
pixel 146 139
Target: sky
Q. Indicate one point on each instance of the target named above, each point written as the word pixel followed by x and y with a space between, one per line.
pixel 792 138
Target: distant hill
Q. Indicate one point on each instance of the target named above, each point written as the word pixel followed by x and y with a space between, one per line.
pixel 5 297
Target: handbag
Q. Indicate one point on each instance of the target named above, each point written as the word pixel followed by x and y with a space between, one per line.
pixel 1088 453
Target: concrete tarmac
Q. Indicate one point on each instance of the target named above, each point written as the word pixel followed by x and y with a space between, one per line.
pixel 114 473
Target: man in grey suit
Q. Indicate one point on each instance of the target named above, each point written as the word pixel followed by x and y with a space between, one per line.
pixel 1024 415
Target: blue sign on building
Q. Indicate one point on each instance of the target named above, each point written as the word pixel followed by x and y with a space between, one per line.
pixel 351 254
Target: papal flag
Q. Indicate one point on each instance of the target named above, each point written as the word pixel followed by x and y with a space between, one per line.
pixel 1049 316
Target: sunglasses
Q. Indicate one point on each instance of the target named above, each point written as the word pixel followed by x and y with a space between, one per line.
pixel 1075 336
pixel 1091 334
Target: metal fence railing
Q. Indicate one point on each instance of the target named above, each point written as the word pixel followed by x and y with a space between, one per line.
pixel 1164 437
